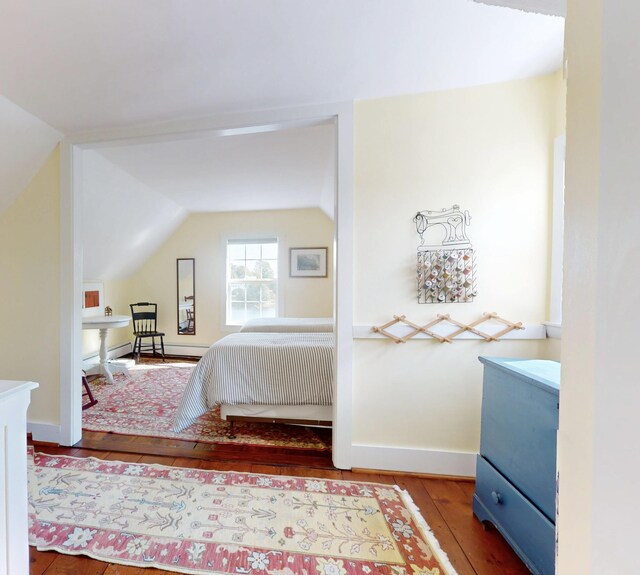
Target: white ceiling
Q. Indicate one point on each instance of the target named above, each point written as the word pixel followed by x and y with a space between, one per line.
pixel 262 171
pixel 123 220
pixel 551 7
pixel 84 64
pixel 73 66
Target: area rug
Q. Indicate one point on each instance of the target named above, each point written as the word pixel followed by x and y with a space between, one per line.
pixel 196 521
pixel 145 402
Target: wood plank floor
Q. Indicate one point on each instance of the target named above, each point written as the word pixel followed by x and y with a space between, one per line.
pixel 444 503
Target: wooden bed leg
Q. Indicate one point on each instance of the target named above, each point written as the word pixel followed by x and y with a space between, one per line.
pixel 231 434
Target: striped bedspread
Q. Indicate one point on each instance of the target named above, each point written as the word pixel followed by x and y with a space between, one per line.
pixel 289 324
pixel 266 368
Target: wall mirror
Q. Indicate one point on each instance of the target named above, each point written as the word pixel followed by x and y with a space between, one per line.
pixel 186 296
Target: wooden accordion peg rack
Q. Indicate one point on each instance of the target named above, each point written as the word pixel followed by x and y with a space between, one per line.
pixel 458 328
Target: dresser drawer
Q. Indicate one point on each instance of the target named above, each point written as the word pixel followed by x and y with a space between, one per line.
pixel 519 426
pixel 527 530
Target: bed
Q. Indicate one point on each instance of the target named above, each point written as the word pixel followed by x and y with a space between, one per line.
pixel 263 377
pixel 289 325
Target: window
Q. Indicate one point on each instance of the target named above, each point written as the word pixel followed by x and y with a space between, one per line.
pixel 252 279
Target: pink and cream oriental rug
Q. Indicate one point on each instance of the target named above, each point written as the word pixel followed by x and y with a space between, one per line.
pixel 145 404
pixel 197 521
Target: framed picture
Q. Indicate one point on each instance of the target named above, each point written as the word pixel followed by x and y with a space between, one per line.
pixel 308 262
pixel 92 299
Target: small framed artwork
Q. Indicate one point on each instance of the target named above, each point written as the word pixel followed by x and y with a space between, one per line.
pixel 92 298
pixel 308 262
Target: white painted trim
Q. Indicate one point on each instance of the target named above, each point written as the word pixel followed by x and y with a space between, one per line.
pixel 343 288
pixel 45 432
pixel 186 350
pixel 530 331
pixel 554 330
pixel 557 231
pixel 250 122
pixel 70 430
pixel 282 257
pixel 414 460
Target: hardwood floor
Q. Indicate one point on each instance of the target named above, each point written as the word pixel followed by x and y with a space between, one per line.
pixel 444 503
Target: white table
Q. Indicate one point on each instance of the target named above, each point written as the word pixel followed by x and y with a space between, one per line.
pixel 104 324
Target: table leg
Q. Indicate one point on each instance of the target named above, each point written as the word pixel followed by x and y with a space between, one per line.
pixel 104 366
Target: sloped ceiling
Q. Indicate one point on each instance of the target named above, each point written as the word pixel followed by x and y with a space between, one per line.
pixel 123 220
pixel 25 143
pixel 82 65
pixel 136 196
pixel 86 64
pixel 261 171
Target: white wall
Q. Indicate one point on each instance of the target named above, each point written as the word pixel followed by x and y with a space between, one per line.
pixel 488 149
pixel 599 459
pixel 123 220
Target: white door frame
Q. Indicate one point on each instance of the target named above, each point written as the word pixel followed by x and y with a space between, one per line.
pixel 71 246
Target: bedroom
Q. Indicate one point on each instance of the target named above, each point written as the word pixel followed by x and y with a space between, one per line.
pixel 32 229
pixel 503 134
pixel 185 199
pixel 192 197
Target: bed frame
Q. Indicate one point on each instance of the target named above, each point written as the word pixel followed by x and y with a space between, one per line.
pixel 288 414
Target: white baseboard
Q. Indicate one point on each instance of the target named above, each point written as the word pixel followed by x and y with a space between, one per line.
pixel 112 353
pixel 186 350
pixel 413 460
pixel 46 432
pixel 126 348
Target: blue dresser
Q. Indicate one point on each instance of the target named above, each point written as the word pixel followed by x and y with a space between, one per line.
pixel 516 467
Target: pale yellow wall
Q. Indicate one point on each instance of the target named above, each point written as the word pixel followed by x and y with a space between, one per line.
pixel 30 290
pixel 487 149
pixel 201 236
pixel 552 349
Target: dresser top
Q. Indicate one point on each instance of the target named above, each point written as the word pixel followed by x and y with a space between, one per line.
pixel 8 388
pixel 537 371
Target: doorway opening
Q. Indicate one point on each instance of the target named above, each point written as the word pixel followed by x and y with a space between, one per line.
pixel 340 117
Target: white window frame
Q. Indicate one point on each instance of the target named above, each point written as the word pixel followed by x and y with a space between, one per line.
pixel 249 240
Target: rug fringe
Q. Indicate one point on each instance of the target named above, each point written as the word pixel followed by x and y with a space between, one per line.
pixel 119 561
pixel 422 524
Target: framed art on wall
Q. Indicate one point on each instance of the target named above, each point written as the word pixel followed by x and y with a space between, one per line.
pixel 92 298
pixel 308 262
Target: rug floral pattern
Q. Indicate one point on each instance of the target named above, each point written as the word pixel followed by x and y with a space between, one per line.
pixel 197 521
pixel 145 403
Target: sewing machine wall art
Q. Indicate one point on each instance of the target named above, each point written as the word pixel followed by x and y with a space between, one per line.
pixel 446 262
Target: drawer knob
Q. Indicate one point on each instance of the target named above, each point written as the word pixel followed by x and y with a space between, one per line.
pixel 497 497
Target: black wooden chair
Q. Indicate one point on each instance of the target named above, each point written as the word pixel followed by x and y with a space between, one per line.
pixel 145 317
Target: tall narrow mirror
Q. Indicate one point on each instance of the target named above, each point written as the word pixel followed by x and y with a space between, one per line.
pixel 186 296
